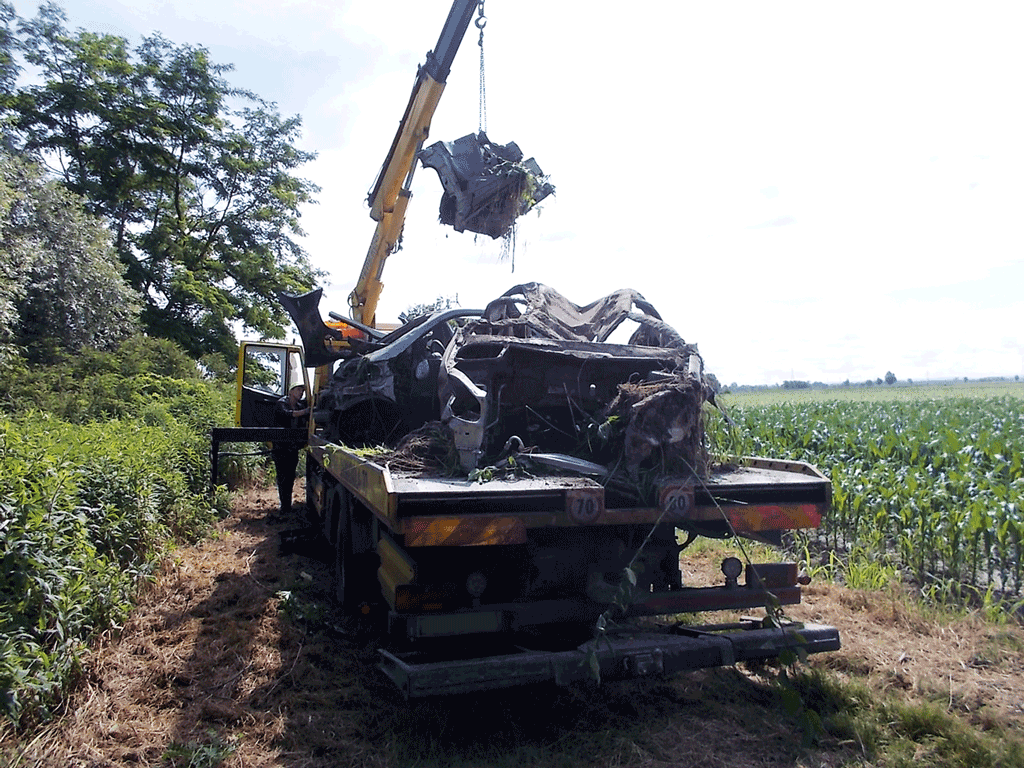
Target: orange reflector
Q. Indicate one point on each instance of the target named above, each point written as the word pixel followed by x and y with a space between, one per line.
pixel 463 531
pixel 769 517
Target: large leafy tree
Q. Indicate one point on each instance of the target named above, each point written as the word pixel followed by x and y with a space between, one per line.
pixel 8 68
pixel 61 285
pixel 196 178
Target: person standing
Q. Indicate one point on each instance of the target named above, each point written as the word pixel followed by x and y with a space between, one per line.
pixel 290 411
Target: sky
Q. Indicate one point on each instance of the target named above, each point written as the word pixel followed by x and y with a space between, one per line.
pixel 811 191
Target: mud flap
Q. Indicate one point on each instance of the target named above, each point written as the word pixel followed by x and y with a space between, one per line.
pixel 619 656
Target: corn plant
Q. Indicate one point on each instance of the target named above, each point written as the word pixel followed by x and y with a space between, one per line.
pixel 934 486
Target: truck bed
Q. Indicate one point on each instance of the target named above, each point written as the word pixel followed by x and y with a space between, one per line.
pixel 757 497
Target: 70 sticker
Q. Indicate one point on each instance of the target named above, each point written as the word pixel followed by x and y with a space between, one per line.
pixel 677 501
pixel 584 505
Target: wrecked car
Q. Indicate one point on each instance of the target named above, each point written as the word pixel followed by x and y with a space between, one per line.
pixel 532 374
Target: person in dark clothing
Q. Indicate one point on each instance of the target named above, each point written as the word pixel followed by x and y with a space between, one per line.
pixel 290 411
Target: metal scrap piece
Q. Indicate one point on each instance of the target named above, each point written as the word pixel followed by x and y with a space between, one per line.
pixel 486 186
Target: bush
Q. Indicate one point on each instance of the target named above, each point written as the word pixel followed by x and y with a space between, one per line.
pixel 104 462
pixel 85 513
pixel 142 378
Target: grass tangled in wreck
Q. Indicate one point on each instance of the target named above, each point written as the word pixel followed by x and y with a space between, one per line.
pixel 235 659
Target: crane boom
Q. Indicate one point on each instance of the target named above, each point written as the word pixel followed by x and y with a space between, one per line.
pixel 390 195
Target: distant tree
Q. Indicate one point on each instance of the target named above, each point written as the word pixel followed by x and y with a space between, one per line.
pixel 438 304
pixel 890 378
pixel 965 379
pixel 63 287
pixel 869 382
pixel 878 382
pixel 194 176
pixel 1017 377
pixel 796 385
pixel 846 383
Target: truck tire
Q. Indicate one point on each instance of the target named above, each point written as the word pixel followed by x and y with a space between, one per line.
pixel 355 558
pixel 342 591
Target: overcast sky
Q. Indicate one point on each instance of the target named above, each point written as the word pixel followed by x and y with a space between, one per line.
pixel 814 190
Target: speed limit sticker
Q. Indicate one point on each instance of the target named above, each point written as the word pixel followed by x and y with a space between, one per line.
pixel 584 505
pixel 677 501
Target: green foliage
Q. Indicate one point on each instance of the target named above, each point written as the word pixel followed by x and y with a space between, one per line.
pixel 930 488
pixel 63 287
pixel 197 754
pixel 85 511
pixel 104 460
pixel 8 66
pixel 195 177
pixel 145 378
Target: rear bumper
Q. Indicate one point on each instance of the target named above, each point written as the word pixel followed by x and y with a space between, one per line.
pixel 619 656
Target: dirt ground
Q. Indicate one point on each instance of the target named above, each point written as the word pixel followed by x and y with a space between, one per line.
pixel 234 658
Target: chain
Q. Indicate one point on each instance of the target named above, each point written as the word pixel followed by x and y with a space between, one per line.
pixel 481 22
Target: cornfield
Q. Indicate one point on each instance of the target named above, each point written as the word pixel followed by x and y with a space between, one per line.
pixel 930 490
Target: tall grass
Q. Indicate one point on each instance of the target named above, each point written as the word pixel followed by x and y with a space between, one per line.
pixel 104 461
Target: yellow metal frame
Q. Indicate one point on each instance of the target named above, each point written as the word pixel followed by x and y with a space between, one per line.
pixel 390 199
pixel 288 349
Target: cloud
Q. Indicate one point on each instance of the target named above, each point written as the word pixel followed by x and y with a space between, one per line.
pixel 778 221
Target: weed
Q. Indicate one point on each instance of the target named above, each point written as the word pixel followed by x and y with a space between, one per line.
pixel 196 754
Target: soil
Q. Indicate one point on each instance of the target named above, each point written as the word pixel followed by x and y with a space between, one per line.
pixel 234 657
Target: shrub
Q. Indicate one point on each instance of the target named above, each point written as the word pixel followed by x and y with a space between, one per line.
pixel 85 513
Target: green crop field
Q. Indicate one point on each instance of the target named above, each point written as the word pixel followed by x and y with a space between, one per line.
pixel 883 393
pixel 928 481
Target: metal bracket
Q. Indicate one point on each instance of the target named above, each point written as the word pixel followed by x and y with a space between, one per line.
pixel 468 434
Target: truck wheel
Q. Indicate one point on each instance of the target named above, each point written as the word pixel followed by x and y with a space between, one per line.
pixel 355 558
pixel 343 566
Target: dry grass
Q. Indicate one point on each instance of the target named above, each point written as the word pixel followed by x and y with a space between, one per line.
pixel 232 659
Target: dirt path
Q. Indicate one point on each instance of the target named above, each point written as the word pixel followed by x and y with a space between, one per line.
pixel 233 658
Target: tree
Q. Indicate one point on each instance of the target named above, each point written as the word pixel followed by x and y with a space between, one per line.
pixel 8 64
pixel 63 287
pixel 194 176
pixel 890 378
pixel 437 305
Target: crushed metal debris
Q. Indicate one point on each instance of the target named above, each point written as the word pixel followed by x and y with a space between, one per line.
pixel 536 369
pixel 487 186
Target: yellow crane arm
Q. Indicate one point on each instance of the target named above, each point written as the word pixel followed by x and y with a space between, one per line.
pixel 389 198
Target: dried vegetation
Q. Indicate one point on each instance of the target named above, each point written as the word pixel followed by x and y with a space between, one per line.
pixel 234 658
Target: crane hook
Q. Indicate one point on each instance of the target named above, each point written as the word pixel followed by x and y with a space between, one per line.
pixel 481 22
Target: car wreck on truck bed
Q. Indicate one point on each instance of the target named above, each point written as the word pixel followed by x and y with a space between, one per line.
pixel 533 373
